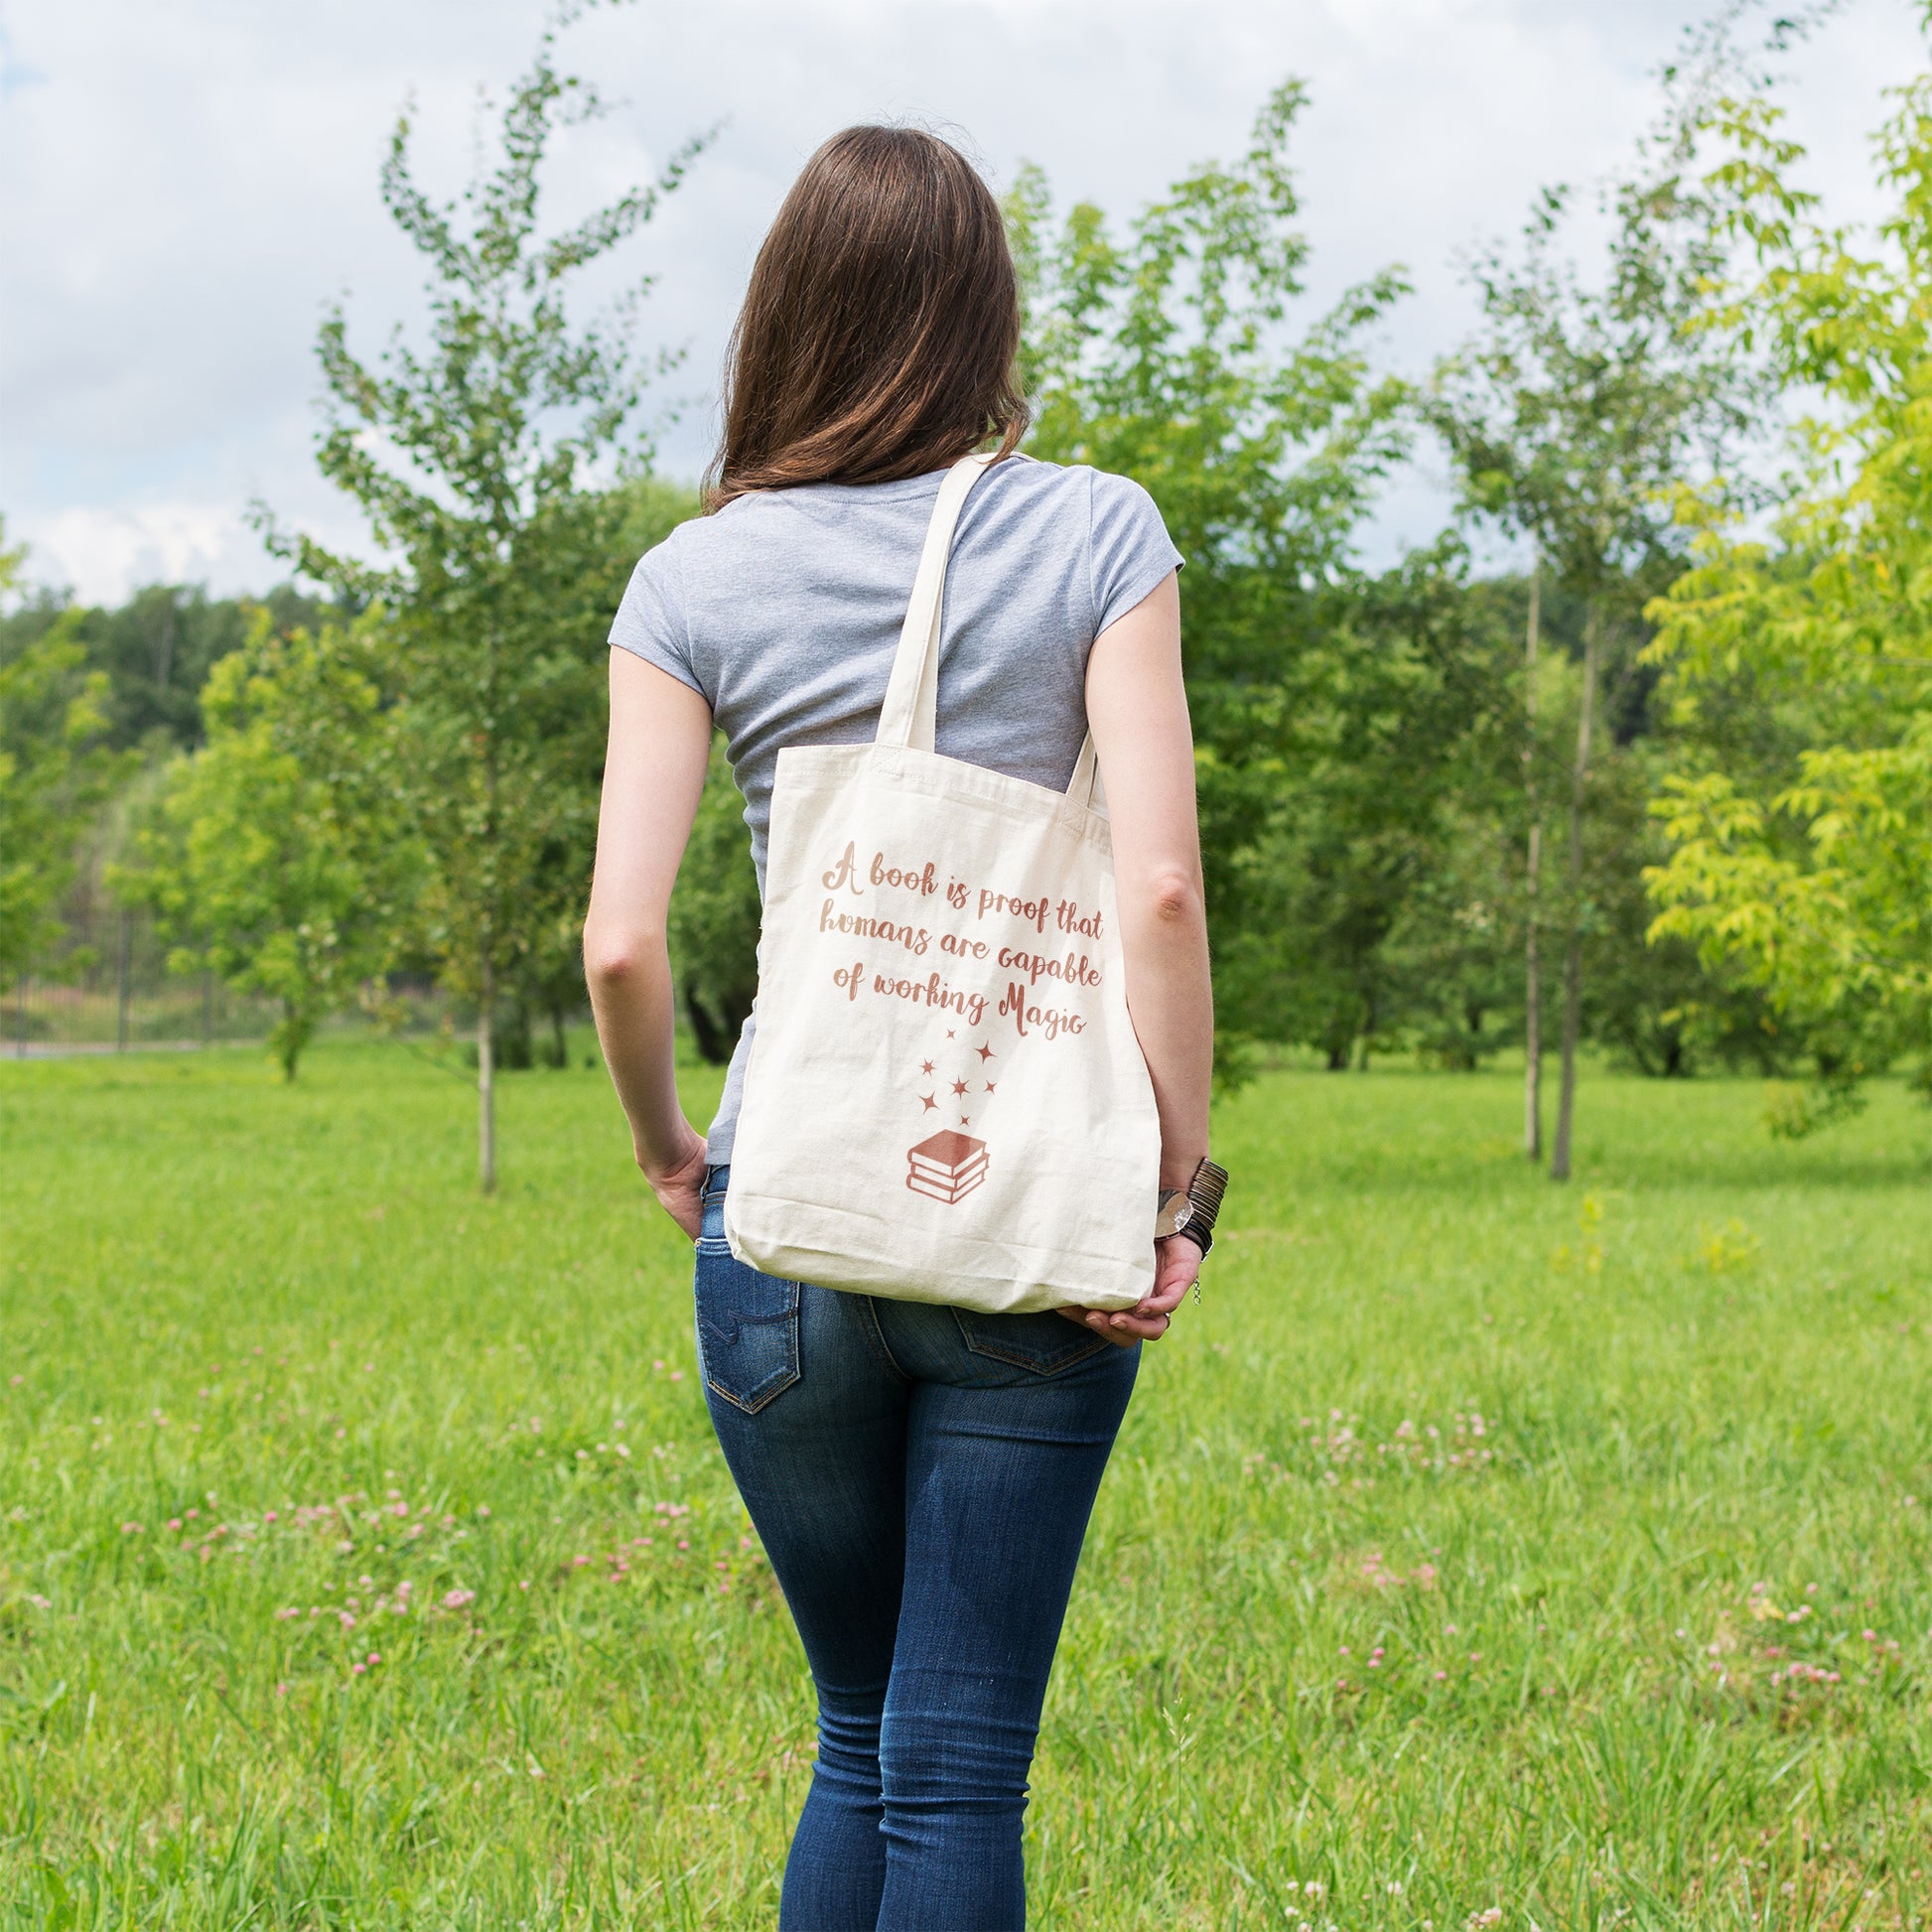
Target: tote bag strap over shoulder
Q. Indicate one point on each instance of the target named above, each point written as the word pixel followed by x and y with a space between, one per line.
pixel 911 714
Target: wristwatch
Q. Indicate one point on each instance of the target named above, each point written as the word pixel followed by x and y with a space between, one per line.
pixel 1192 1211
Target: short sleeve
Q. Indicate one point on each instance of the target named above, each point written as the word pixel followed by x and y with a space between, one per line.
pixel 1129 549
pixel 652 620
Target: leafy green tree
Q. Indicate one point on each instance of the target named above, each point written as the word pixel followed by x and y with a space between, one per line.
pixel 474 459
pixel 1803 847
pixel 56 768
pixel 1168 354
pixel 274 855
pixel 1350 897
pixel 715 916
pixel 1572 416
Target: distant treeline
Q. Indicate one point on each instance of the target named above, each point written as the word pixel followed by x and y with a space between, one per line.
pixel 155 651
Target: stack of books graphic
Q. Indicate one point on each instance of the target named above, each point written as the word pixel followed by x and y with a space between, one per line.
pixel 947 1168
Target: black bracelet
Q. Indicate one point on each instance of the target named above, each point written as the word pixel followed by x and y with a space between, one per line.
pixel 1203 1238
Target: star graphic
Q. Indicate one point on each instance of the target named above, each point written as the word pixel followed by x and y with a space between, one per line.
pixel 960 1086
pixel 984 1050
pixel 926 1066
pixel 948 1033
pixel 989 1086
pixel 964 1122
pixel 928 1103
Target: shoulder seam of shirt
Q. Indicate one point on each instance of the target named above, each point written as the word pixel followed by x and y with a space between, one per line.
pixel 685 617
pixel 1093 593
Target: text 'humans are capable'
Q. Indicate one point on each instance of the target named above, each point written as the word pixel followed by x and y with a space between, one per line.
pixel 1025 968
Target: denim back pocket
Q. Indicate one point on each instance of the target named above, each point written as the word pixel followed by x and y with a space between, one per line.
pixel 747 1322
pixel 1047 1344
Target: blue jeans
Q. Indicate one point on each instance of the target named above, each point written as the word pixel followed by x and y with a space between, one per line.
pixel 921 1478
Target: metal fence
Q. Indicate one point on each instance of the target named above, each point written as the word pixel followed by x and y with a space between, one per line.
pixel 106 987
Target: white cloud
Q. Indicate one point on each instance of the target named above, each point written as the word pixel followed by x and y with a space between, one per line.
pixel 99 553
pixel 190 184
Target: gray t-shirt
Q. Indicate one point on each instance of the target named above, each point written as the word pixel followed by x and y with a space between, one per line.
pixel 784 611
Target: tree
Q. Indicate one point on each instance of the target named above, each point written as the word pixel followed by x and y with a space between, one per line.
pixel 1167 354
pixel 1571 417
pixel 475 461
pixel 1803 837
pixel 274 855
pixel 1532 881
pixel 1354 892
pixel 56 767
pixel 715 918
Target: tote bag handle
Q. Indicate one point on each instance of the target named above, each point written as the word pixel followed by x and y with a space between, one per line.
pixel 910 716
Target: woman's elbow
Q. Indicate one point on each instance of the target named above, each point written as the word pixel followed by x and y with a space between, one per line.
pixel 1171 901
pixel 615 957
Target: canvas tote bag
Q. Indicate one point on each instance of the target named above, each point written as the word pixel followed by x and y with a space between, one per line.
pixel 945 1100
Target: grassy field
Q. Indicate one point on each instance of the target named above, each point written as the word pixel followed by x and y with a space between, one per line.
pixel 1478 1553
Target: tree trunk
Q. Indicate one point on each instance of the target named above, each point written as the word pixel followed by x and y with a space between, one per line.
pixel 120 990
pixel 487 1078
pixel 291 1036
pixel 1573 951
pixel 1532 889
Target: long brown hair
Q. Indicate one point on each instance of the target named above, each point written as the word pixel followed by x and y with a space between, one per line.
pixel 881 329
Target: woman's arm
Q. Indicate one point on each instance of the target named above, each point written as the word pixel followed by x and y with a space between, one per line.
pixel 653 777
pixel 1136 710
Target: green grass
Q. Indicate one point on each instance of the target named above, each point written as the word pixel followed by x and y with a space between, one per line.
pixel 1475 1547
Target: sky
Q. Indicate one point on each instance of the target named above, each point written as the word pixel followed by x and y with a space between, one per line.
pixel 189 185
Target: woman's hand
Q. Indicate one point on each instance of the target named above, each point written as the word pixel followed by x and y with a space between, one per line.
pixel 680 1188
pixel 1177 1263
